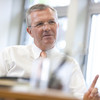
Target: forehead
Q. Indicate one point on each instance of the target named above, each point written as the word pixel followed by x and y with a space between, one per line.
pixel 43 14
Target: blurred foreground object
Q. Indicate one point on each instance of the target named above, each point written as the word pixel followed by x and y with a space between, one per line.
pixel 16 93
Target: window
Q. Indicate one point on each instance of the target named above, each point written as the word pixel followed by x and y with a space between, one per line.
pixel 93 65
pixel 96 1
pixel 61 43
pixel 93 62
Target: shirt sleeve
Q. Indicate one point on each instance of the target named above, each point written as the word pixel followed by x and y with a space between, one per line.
pixel 77 82
pixel 3 63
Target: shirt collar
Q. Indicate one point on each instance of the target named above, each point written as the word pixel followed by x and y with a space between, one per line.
pixel 37 51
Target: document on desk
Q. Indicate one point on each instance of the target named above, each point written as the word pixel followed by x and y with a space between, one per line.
pixel 12 81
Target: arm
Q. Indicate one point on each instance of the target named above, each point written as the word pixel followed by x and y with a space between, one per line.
pixel 77 83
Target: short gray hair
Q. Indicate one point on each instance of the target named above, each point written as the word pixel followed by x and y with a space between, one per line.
pixel 37 7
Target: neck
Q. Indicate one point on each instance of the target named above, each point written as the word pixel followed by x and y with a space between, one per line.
pixel 45 48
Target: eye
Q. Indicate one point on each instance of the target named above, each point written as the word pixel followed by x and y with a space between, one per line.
pixel 52 22
pixel 39 24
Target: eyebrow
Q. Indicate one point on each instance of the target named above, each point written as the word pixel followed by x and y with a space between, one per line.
pixel 44 21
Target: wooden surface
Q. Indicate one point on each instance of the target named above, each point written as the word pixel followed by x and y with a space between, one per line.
pixel 11 94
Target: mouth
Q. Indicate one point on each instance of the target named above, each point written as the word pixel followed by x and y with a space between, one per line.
pixel 47 35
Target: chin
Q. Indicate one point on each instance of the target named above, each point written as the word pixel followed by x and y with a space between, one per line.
pixel 49 41
pixel 49 45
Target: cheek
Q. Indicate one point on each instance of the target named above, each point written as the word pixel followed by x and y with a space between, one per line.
pixel 36 34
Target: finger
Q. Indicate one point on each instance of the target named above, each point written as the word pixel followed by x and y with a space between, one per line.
pixel 94 82
pixel 95 97
pixel 94 92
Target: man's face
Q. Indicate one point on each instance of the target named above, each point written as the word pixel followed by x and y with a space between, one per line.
pixel 43 28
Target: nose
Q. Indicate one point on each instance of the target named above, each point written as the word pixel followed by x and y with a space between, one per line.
pixel 46 27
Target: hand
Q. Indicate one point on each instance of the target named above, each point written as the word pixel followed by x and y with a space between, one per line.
pixel 92 93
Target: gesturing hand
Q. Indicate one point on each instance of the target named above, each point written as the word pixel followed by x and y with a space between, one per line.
pixel 92 93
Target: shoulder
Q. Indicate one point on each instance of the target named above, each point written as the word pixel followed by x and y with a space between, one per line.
pixel 71 59
pixel 60 56
pixel 16 49
pixel 63 55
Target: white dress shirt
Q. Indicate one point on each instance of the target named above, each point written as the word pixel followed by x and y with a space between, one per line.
pixel 18 61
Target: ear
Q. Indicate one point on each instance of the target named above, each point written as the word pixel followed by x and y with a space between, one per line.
pixel 29 30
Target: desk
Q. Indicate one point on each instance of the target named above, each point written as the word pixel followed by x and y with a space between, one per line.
pixel 10 94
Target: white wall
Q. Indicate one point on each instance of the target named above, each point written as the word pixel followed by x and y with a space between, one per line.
pixel 5 19
pixel 11 16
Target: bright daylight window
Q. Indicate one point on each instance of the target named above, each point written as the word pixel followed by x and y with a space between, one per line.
pixel 96 1
pixel 61 43
pixel 93 65
pixel 51 2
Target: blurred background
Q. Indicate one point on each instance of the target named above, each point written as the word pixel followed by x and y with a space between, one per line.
pixel 78 35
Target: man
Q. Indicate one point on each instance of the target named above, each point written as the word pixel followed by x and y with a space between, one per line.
pixel 18 61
